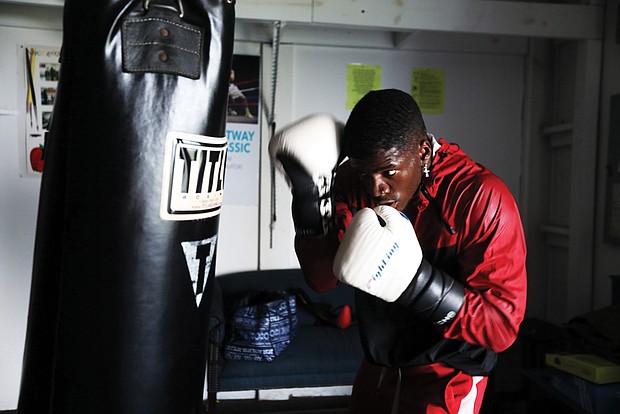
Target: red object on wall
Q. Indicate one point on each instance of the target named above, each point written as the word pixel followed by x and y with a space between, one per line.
pixel 36 158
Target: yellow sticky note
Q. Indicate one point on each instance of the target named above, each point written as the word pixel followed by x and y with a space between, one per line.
pixel 361 79
pixel 428 87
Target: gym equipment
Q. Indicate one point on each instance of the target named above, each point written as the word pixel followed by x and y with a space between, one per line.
pixel 126 235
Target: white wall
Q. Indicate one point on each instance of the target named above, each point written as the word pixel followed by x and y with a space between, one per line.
pixel 483 96
pixel 238 228
pixel 18 212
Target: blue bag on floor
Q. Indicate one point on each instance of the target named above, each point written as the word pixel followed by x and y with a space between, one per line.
pixel 262 326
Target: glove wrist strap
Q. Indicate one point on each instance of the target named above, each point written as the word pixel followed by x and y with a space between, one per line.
pixel 434 294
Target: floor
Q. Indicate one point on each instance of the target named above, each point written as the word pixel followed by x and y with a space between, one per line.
pixel 496 404
pixel 509 403
pixel 318 405
pixel 500 403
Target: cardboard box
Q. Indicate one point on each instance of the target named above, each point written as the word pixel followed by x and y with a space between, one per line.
pixel 590 367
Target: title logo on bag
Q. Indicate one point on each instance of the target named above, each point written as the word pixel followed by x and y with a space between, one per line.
pixel 199 257
pixel 193 180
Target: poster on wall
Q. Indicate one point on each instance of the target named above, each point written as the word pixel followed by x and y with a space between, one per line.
pixel 243 132
pixel 428 87
pixel 361 79
pixel 41 69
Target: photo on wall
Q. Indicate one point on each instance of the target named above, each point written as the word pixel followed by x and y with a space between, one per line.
pixel 243 90
pixel 243 132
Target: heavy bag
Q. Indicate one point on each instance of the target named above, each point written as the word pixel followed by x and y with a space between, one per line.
pixel 128 217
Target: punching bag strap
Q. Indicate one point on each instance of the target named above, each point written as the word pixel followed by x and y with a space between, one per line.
pixel 179 5
pixel 161 42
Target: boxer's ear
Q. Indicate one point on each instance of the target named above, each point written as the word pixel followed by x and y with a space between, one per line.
pixel 425 149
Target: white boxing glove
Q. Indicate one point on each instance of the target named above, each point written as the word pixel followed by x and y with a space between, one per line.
pixel 379 254
pixel 307 152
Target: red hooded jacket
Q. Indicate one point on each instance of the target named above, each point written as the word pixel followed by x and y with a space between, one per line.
pixel 468 225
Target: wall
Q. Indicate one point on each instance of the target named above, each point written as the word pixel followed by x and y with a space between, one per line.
pixel 18 207
pixel 483 96
pixel 237 238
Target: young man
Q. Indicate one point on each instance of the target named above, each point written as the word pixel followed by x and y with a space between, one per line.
pixel 432 241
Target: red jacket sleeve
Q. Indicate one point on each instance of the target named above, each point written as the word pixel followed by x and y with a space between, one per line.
pixel 491 262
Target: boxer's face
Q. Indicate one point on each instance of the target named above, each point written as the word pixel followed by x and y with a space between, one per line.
pixel 392 178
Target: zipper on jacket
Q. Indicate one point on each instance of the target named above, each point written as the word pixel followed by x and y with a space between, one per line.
pixel 431 201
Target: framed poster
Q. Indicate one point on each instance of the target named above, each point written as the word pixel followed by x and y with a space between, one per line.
pixel 243 132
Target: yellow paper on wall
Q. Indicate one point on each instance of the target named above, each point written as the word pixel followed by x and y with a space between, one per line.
pixel 428 88
pixel 361 79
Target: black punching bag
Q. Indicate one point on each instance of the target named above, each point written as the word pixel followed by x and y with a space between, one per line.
pixel 129 209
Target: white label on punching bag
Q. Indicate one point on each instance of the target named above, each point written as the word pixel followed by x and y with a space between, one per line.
pixel 199 257
pixel 193 181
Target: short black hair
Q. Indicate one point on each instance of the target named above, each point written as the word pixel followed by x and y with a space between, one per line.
pixel 381 121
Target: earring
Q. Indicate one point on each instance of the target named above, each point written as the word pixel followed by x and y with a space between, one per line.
pixel 426 171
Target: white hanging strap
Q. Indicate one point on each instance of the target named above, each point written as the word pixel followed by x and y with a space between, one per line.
pixel 275 47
